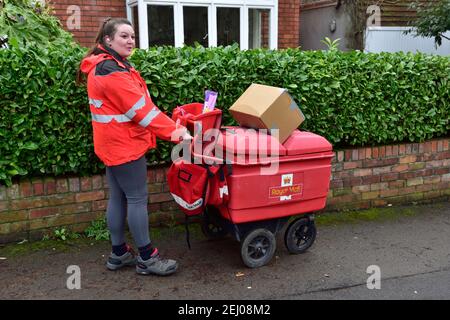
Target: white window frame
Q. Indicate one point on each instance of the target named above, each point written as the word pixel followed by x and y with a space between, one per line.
pixel 243 5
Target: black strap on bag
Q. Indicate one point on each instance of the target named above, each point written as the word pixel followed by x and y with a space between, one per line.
pixel 186 223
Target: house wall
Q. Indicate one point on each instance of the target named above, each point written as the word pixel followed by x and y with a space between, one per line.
pixel 288 23
pixel 93 12
pixel 315 20
pixel 316 16
pixel 361 178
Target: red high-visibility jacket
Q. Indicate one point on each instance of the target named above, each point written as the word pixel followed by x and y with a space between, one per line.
pixel 124 118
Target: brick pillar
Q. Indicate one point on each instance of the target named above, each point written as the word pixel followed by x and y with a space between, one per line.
pixel 288 23
pixel 92 14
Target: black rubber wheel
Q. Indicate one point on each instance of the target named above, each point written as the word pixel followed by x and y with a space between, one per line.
pixel 210 224
pixel 300 235
pixel 258 248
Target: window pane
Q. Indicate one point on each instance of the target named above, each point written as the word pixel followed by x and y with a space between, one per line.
pixel 228 26
pixel 160 25
pixel 135 17
pixel 195 21
pixel 258 27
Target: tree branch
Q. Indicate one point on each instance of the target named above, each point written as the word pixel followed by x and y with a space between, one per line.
pixel 444 36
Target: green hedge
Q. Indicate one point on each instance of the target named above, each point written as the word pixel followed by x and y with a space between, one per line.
pixel 350 98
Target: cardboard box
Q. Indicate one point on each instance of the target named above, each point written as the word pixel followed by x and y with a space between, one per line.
pixel 266 107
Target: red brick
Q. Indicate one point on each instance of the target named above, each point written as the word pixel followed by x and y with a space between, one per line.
pixel 431 179
pixel 60 199
pixel 90 196
pixel 28 203
pixel 74 184
pixel 440 171
pixel 352 181
pixel 26 189
pixel 400 168
pixel 99 205
pixel 406 190
pixel 160 197
pixel 62 186
pixel 362 172
pixel 153 207
pixel 12 216
pixel 348 155
pixel 389 176
pixel 338 183
pixel 50 187
pixel 160 175
pixel 86 184
pixel 13 192
pixel 38 189
pixel 434 146
pixel 151 176
pixel 44 212
pixel 350 165
pixel 388 151
pixel 97 182
pixel 397 184
pixel 375 152
pixel 395 150
pixel 408 159
pixel 445 144
pixel 424 187
pixel 388 193
pixel 3 206
pixel 370 179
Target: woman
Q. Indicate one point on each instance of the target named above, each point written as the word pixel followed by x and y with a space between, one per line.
pixel 125 122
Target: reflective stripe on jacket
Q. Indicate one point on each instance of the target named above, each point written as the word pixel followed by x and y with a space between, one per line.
pixel 124 118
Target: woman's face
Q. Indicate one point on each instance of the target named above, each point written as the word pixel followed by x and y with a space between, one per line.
pixel 123 42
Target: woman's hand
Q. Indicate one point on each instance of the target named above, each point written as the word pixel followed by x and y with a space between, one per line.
pixel 181 133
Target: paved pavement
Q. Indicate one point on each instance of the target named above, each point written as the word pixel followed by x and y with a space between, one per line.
pixel 410 250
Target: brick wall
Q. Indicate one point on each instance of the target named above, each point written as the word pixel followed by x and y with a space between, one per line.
pixel 394 174
pixel 29 209
pixel 361 178
pixel 288 23
pixel 93 12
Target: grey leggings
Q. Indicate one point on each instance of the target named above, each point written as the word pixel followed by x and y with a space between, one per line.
pixel 128 194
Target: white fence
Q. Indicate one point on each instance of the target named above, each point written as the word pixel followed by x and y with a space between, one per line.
pixel 392 39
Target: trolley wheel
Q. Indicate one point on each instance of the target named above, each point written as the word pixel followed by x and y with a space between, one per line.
pixel 300 235
pixel 210 224
pixel 258 248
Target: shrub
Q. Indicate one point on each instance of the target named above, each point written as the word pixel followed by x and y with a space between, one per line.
pixel 351 98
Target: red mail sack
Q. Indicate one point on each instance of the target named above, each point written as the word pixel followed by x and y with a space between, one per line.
pixel 218 188
pixel 188 185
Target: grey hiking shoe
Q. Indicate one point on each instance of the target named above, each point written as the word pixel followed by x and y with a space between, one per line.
pixel 116 262
pixel 156 265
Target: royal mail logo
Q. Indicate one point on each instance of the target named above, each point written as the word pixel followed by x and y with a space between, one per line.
pixel 275 192
pixel 287 180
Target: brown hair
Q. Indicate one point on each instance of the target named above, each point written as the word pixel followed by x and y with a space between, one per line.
pixel 108 28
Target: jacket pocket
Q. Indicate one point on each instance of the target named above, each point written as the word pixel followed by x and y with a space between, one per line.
pixel 137 131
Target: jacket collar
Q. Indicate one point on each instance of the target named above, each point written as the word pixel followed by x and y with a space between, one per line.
pixel 123 62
